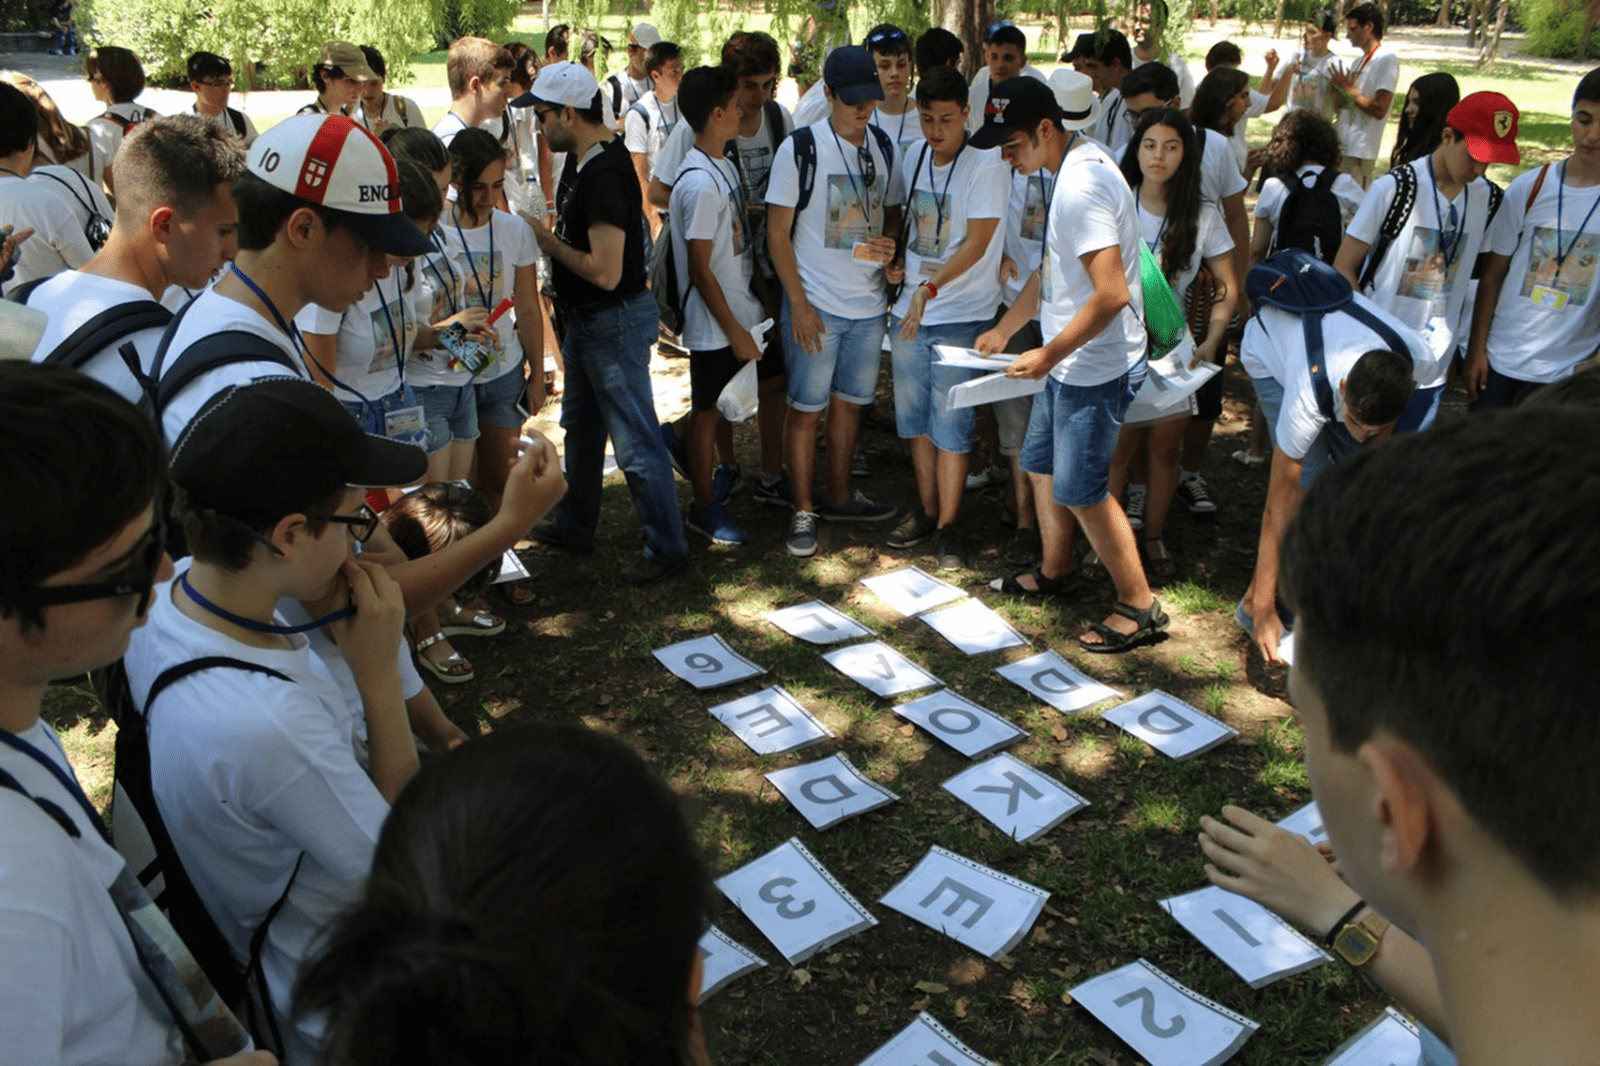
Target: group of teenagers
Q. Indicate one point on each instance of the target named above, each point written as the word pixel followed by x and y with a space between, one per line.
pixel 198 520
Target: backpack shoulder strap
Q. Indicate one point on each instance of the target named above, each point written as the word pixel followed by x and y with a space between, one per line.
pixel 1316 364
pixel 173 674
pixel 1326 178
pixel 616 94
pixel 55 813
pixel 643 112
pixel 885 145
pixel 1538 183
pixel 774 116
pixel 20 293
pixel 1385 331
pixel 1497 196
pixel 212 352
pixel 804 142
pixel 400 106
pixel 106 329
pixel 1394 220
pixel 236 120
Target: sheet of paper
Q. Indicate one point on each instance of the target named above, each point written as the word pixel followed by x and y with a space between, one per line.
pixel 794 901
pixel 1168 385
pixel 706 662
pixel 1055 681
pixel 771 722
pixel 1389 1041
pixel 1169 725
pixel 910 591
pixel 879 668
pixel 828 791
pixel 991 388
pixel 983 909
pixel 1023 802
pixel 960 723
pixel 1307 821
pixel 1165 1022
pixel 974 628
pixel 925 1043
pixel 1254 943
pixel 511 568
pixel 724 960
pixel 817 623
pixel 971 358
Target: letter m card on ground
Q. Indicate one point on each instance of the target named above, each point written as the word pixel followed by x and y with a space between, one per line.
pixel 983 909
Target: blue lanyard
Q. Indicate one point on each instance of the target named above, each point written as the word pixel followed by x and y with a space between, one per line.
pixel 68 782
pixel 900 133
pixel 261 627
pixel 396 338
pixel 449 287
pixel 1044 235
pixel 1561 254
pixel 735 188
pixel 863 190
pixel 484 296
pixel 1155 242
pixel 939 200
pixel 1451 248
pixel 294 334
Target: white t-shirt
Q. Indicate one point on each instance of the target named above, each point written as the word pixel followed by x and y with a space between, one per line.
pixel 487 263
pixel 73 299
pixel 812 107
pixel 1113 128
pixel 58 242
pixel 1360 133
pixel 400 112
pixel 1238 142
pixel 440 293
pixel 978 93
pixel 1211 240
pixel 1024 228
pixel 250 773
pixel 1091 207
pixel 645 134
pixel 975 185
pixel 368 366
pixel 707 205
pixel 904 129
pixel 1413 282
pixel 1219 178
pixel 105 134
pixel 845 209
pixel 1274 194
pixel 1548 316
pixel 1312 86
pixel 72 991
pixel 448 126
pixel 632 90
pixel 224 122
pixel 1274 346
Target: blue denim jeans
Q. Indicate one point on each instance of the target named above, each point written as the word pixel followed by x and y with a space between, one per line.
pixel 1072 435
pixel 608 394
pixel 922 389
pixel 1332 444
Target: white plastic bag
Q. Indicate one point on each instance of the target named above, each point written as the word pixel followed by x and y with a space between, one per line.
pixel 740 396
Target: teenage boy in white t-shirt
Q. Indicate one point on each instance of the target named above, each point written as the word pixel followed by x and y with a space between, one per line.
pixel 1089 297
pixel 650 120
pixel 950 286
pixel 896 113
pixel 479 72
pixel 1367 88
pixel 379 110
pixel 1107 60
pixel 1005 56
pixel 1538 310
pixel 830 257
pixel 1424 276
pixel 211 81
pixel 627 87
pixel 1306 83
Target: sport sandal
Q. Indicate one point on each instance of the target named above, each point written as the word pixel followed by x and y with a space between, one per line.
pixel 1152 622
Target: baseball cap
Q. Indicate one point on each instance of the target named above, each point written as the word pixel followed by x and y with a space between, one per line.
pixel 568 84
pixel 1489 122
pixel 333 162
pixel 1082 48
pixel 1016 104
pixel 644 35
pixel 348 58
pixel 852 74
pixel 276 446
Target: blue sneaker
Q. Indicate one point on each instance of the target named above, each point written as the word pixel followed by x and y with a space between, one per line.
pixel 801 539
pixel 677 450
pixel 779 492
pixel 715 524
pixel 856 509
pixel 725 481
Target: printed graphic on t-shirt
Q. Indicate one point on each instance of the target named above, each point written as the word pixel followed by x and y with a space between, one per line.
pixel 848 217
pixel 1033 213
pixel 755 163
pixel 738 226
pixel 1313 89
pixel 477 268
pixel 931 209
pixel 382 339
pixel 1563 285
pixel 1425 276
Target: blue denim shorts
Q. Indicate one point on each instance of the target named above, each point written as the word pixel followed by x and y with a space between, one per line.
pixel 371 415
pixel 452 412
pixel 1072 435
pixel 847 366
pixel 922 390
pixel 498 399
pixel 1331 445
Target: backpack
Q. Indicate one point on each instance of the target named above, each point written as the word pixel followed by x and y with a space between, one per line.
pixel 97 229
pixel 804 141
pixel 163 383
pixel 1296 281
pixel 616 94
pixel 1400 208
pixel 125 124
pixel 1312 219
pixel 671 296
pixel 644 113
pixel 236 120
pixel 102 331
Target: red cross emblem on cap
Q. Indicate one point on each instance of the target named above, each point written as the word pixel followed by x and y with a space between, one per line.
pixel 315 172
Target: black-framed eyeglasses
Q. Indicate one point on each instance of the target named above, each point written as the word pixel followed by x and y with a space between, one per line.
pixel 542 113
pixel 996 27
pixel 218 82
pixel 889 36
pixel 137 577
pixel 361 524
pixel 1134 117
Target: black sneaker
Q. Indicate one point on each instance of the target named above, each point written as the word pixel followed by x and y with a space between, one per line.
pixel 775 493
pixel 951 550
pixel 916 527
pixel 1196 495
pixel 856 509
pixel 859 467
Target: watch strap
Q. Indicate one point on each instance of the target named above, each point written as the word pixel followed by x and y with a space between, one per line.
pixel 1344 920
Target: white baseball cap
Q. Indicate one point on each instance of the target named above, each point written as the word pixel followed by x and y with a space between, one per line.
pixel 335 163
pixel 568 84
pixel 644 35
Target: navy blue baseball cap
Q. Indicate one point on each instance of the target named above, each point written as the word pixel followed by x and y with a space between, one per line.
pixel 852 74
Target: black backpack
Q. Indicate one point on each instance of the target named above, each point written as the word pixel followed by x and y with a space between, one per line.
pixel 1311 219
pixel 104 330
pixel 96 227
pixel 163 383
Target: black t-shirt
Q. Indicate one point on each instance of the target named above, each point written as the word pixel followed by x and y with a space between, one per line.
pixel 607 190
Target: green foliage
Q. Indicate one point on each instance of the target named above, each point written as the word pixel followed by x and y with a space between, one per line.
pixel 20 15
pixel 700 26
pixel 475 18
pixel 1555 27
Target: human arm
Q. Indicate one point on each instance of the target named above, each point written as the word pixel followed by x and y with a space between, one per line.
pixel 429 723
pixel 475 319
pixel 709 287
pixel 1105 269
pixel 530 330
pixel 1476 373
pixel 967 254
pixel 324 350
pixel 660 194
pixel 1278 95
pixel 647 192
pixel 1375 105
pixel 1352 253
pixel 1238 223
pixel 1210 348
pixel 600 266
pixel 1260 239
pixel 1284 496
pixel 1019 314
pixel 808 328
pixel 546 178
pixel 1269 83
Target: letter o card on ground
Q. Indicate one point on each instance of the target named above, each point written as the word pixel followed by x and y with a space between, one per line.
pixel 1389 1041
pixel 880 668
pixel 724 961
pixel 794 901
pixel 771 722
pixel 1023 802
pixel 817 623
pixel 983 909
pixel 1254 943
pixel 1055 681
pixel 1307 821
pixel 830 790
pixel 925 1043
pixel 960 723
pixel 1169 725
pixel 1165 1022
pixel 706 662
pixel 974 628
pixel 910 591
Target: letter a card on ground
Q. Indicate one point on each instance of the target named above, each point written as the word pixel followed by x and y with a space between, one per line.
pixel 1390 1039
pixel 974 628
pixel 828 791
pixel 725 960
pixel 960 723
pixel 983 909
pixel 878 667
pixel 1056 681
pixel 706 662
pixel 771 721
pixel 1255 943
pixel 925 1043
pixel 1165 1022
pixel 817 623
pixel 910 591
pixel 794 901
pixel 1023 802
pixel 1169 725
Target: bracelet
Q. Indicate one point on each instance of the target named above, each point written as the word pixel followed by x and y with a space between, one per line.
pixel 933 290
pixel 1332 934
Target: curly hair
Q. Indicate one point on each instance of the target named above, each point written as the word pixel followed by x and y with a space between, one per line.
pixel 1301 138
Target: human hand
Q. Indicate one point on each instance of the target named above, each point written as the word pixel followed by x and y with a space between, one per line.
pixel 883 249
pixel 1475 374
pixel 1268 630
pixel 991 341
pixel 744 346
pixel 542 233
pixel 807 327
pixel 369 640
pixel 1272 60
pixel 1008 269
pixel 1033 363
pixel 913 317
pixel 476 322
pixel 12 244
pixel 1278 869
pixel 895 272
pixel 1205 352
pixel 534 484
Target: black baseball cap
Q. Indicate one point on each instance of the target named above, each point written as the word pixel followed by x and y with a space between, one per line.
pixel 1015 104
pixel 852 73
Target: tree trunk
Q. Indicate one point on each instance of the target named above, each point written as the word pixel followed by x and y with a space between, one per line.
pixel 1591 13
pixel 967 19
pixel 1491 44
pixel 1443 21
pixel 1277 20
pixel 1474 22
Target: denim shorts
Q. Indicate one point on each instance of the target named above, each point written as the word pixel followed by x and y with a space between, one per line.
pixel 1011 416
pixel 847 367
pixel 1331 445
pixel 922 390
pixel 452 413
pixel 371 415
pixel 498 399
pixel 1073 434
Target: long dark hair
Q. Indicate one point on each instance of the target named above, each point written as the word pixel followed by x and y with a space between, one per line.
pixel 1181 232
pixel 1437 93
pixel 472 151
pixel 1211 98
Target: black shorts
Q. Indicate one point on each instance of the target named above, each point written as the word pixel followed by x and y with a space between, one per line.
pixel 709 374
pixel 1208 398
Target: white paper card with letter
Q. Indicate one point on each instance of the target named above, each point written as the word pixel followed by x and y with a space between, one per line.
pixel 1254 943
pixel 1055 681
pixel 910 591
pixel 725 960
pixel 1169 725
pixel 771 721
pixel 925 1043
pixel 880 668
pixel 817 623
pixel 794 901
pixel 706 662
pixel 986 910
pixel 974 628
pixel 828 791
pixel 1307 821
pixel 1014 796
pixel 960 723
pixel 1389 1041
pixel 1166 1023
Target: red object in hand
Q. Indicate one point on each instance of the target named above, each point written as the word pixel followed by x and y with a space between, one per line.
pixel 500 309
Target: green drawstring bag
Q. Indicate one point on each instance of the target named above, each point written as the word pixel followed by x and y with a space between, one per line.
pixel 1163 315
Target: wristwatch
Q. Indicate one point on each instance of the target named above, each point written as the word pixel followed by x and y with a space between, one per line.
pixel 1356 936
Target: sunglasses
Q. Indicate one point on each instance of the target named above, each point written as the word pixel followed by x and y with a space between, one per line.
pixel 362 523
pixel 137 578
pixel 996 27
pixel 888 36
